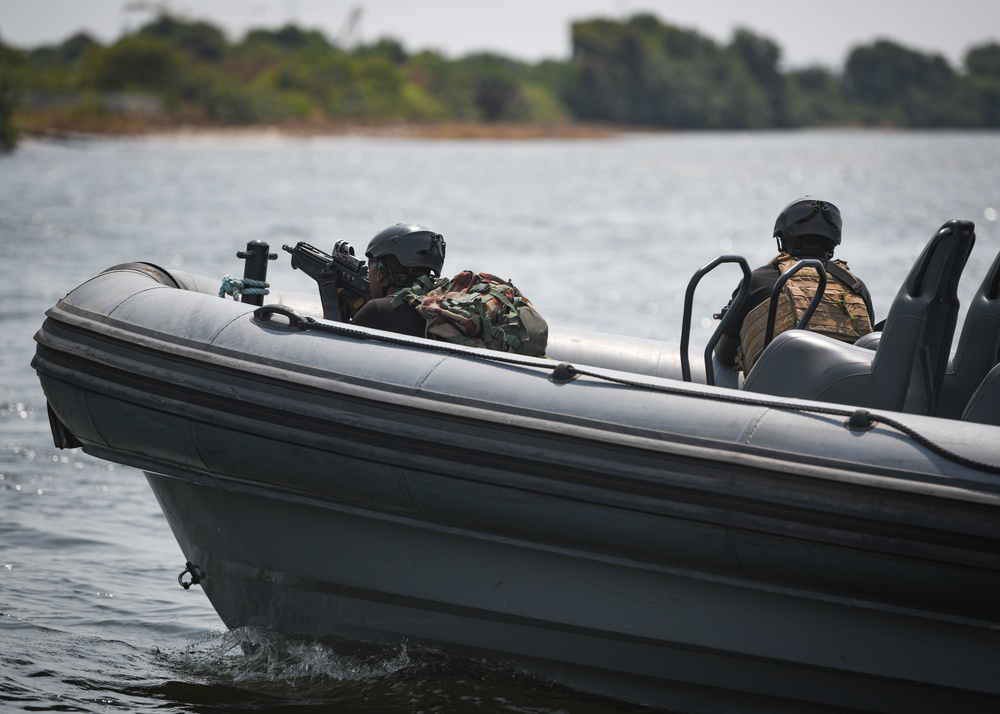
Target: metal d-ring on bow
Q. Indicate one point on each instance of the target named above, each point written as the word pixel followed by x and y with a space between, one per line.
pixel 194 571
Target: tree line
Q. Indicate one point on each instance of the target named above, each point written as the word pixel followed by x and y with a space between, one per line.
pixel 637 72
pixel 643 71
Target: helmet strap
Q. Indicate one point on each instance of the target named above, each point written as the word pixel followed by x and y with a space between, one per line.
pixel 405 277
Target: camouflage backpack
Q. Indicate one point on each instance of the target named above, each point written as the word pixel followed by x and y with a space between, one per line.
pixel 478 310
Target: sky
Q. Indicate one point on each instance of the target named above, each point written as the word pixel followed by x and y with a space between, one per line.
pixel 808 32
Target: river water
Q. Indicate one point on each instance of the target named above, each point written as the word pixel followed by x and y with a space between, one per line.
pixel 598 233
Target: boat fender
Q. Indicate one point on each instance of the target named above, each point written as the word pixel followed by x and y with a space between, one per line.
pixel 861 420
pixel 194 571
pixel 564 372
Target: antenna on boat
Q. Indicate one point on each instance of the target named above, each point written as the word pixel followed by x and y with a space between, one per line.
pixel 256 256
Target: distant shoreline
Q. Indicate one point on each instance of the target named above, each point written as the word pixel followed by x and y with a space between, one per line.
pixel 402 130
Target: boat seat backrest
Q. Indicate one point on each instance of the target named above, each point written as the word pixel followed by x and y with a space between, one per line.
pixel 915 341
pixel 984 405
pixel 978 349
pixel 869 341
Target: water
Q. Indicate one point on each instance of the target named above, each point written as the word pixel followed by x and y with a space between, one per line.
pixel 599 233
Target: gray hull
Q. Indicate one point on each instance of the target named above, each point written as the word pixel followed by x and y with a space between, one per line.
pixel 673 544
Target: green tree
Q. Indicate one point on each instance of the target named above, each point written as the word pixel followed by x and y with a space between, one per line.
pixel 903 87
pixel 982 81
pixel 387 47
pixel 436 88
pixel 327 78
pixel 646 72
pixel 199 39
pixel 58 67
pixel 761 57
pixel 816 98
pixel 603 56
pixel 495 86
pixel 12 64
pixel 133 63
pixel 381 87
pixel 983 61
pixel 64 55
pixel 263 52
pixel 287 40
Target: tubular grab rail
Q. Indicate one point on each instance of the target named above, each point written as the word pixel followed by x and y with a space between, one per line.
pixel 727 317
pixel 772 311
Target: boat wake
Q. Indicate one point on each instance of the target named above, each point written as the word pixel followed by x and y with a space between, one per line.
pixel 257 657
pixel 254 669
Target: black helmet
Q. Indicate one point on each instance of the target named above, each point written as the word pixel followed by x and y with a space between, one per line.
pixel 808 217
pixel 412 245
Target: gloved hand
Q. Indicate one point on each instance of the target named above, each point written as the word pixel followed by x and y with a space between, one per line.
pixel 338 304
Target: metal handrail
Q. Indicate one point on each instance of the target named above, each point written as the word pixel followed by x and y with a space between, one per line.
pixel 772 311
pixel 727 317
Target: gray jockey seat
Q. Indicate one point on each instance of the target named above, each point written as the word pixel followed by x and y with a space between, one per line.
pixel 915 340
pixel 978 349
pixel 984 404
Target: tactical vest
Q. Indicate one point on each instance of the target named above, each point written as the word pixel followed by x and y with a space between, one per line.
pixel 841 314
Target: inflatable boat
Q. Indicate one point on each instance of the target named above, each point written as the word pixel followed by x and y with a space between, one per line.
pixel 622 516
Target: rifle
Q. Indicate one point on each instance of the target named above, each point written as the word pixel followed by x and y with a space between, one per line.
pixel 342 278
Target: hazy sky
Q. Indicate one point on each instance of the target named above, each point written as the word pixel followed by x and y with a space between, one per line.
pixel 807 32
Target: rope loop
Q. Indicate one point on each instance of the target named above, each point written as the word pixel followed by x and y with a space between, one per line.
pixel 246 286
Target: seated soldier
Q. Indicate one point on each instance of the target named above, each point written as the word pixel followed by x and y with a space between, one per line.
pixel 805 228
pixel 409 296
pixel 397 258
